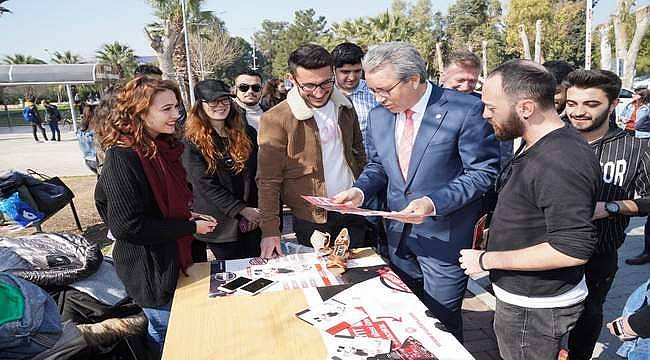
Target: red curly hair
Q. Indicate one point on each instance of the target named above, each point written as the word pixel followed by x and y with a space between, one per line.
pixel 199 131
pixel 127 127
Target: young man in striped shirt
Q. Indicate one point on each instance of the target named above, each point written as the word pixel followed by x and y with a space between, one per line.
pixel 592 95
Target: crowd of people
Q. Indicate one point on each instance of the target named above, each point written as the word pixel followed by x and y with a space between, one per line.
pixel 372 130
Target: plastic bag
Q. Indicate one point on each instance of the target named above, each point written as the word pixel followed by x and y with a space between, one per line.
pixel 19 211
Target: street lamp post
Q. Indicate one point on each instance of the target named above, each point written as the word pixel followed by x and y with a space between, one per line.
pixel 187 51
pixel 254 68
pixel 589 13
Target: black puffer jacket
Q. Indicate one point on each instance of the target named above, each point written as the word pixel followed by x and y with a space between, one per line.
pixel 49 259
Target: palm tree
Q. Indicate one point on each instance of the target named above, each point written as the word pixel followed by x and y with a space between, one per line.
pixel 21 59
pixel 66 57
pixel 166 36
pixel 2 8
pixel 119 55
pixel 17 59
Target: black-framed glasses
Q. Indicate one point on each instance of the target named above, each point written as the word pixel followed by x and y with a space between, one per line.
pixel 245 87
pixel 384 92
pixel 310 87
pixel 214 103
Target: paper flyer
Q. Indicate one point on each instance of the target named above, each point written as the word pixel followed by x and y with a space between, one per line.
pixel 331 316
pixel 294 271
pixel 399 318
pixel 329 205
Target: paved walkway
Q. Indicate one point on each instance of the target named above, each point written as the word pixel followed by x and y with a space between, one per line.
pixel 18 150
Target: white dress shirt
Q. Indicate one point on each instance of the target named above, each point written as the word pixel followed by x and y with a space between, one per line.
pixel 418 113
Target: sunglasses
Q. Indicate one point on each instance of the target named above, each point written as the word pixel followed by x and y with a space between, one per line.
pixel 245 87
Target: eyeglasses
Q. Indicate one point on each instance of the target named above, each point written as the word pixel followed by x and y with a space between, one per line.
pixel 309 87
pixel 383 92
pixel 245 87
pixel 214 103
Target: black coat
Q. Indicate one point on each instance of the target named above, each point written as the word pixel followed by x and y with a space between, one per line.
pixel 214 194
pixel 145 252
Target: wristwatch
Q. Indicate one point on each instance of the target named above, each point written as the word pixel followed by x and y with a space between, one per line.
pixel 612 207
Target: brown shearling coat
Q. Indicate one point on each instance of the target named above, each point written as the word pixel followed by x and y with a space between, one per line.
pixel 290 162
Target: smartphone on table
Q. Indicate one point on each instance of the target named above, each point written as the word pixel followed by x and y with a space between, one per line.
pixel 255 287
pixel 232 285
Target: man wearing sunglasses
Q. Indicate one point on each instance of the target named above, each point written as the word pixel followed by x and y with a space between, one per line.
pixel 248 91
pixel 310 144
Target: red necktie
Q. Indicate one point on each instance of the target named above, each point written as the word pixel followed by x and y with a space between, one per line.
pixel 406 143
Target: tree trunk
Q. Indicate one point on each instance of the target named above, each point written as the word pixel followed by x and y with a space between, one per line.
pixel 439 58
pixel 163 45
pixel 538 41
pixel 180 62
pixel 620 34
pixel 605 49
pixel 628 55
pixel 642 21
pixel 484 45
pixel 524 42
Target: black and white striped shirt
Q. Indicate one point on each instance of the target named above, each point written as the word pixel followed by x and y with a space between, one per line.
pixel 625 161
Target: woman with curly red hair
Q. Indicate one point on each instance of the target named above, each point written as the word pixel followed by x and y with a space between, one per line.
pixel 143 197
pixel 221 161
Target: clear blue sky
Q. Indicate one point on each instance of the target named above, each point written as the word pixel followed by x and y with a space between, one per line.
pixel 83 26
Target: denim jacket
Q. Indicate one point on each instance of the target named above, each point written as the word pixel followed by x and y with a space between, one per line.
pixel 38 330
pixel 87 144
pixel 639 348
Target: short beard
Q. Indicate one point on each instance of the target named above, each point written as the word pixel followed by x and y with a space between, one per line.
pixel 511 128
pixel 597 123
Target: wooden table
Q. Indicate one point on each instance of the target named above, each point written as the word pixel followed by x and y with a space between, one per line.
pixel 265 326
pixel 238 327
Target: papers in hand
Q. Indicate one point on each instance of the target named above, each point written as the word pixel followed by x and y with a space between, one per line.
pixel 329 205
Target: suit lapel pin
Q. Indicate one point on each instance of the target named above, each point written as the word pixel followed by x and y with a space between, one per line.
pixel 438 116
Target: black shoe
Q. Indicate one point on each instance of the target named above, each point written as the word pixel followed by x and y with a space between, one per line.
pixel 638 260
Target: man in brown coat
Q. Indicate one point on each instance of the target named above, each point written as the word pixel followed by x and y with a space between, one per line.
pixel 310 144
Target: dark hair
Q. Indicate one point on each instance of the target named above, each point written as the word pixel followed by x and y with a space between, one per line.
pixel 464 59
pixel 346 53
pixel 147 69
pixel 250 73
pixel 604 80
pixel 524 79
pixel 559 69
pixel 271 88
pixel 88 117
pixel 309 56
pixel 645 96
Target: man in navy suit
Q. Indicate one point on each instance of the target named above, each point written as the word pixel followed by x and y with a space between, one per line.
pixel 432 151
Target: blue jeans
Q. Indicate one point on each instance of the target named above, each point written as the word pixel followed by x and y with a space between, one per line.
pixel 157 328
pixel 440 285
pixel 532 334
